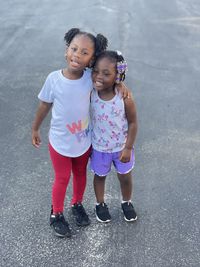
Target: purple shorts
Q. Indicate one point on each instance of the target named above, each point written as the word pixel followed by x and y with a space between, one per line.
pixel 101 162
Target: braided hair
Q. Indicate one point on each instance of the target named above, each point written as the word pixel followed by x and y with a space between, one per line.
pixel 117 58
pixel 100 41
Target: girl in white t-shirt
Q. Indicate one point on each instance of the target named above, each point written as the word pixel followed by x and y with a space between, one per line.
pixel 114 128
pixel 67 92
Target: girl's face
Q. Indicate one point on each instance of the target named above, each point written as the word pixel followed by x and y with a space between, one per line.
pixel 80 53
pixel 104 74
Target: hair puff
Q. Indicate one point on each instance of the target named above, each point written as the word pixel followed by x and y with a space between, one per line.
pixel 70 35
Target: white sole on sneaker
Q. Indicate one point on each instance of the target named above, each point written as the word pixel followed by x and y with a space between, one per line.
pixel 99 220
pixel 131 220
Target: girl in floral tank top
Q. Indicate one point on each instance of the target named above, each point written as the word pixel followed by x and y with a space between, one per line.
pixel 114 128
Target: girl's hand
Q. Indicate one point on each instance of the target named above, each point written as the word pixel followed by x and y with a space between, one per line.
pixel 126 155
pixel 36 140
pixel 123 90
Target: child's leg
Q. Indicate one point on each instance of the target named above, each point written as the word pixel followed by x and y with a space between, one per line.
pixel 126 185
pixel 126 189
pixel 79 169
pixel 62 170
pixel 101 165
pixel 124 174
pixel 101 209
pixel 99 187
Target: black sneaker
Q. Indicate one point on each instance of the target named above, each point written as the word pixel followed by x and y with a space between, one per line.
pixel 129 212
pixel 102 213
pixel 60 225
pixel 81 216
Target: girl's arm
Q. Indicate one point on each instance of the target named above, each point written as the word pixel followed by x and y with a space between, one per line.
pixel 41 113
pixel 131 115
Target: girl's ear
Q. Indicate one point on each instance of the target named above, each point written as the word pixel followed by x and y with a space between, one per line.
pixel 91 63
pixel 66 53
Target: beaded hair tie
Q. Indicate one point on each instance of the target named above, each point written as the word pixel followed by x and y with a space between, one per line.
pixel 122 68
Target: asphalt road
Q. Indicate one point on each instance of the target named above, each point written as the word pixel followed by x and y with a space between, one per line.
pixel 161 42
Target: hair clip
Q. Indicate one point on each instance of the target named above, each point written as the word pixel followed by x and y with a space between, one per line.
pixel 121 71
pixel 119 53
pixel 122 67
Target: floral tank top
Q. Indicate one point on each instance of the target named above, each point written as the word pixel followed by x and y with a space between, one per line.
pixel 109 123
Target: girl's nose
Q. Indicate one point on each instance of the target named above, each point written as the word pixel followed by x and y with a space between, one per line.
pixel 99 75
pixel 77 53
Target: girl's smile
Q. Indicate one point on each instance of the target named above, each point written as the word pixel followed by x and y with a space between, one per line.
pixel 98 83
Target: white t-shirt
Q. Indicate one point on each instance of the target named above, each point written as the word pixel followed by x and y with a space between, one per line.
pixel 69 131
pixel 109 123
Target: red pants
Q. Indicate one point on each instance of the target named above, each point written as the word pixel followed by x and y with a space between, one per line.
pixel 62 168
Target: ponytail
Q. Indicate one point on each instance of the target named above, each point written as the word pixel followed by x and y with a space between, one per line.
pixel 101 44
pixel 70 35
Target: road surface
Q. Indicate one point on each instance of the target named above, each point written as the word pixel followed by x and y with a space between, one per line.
pixel 161 42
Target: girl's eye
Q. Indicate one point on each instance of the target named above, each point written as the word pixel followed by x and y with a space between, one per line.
pixel 73 49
